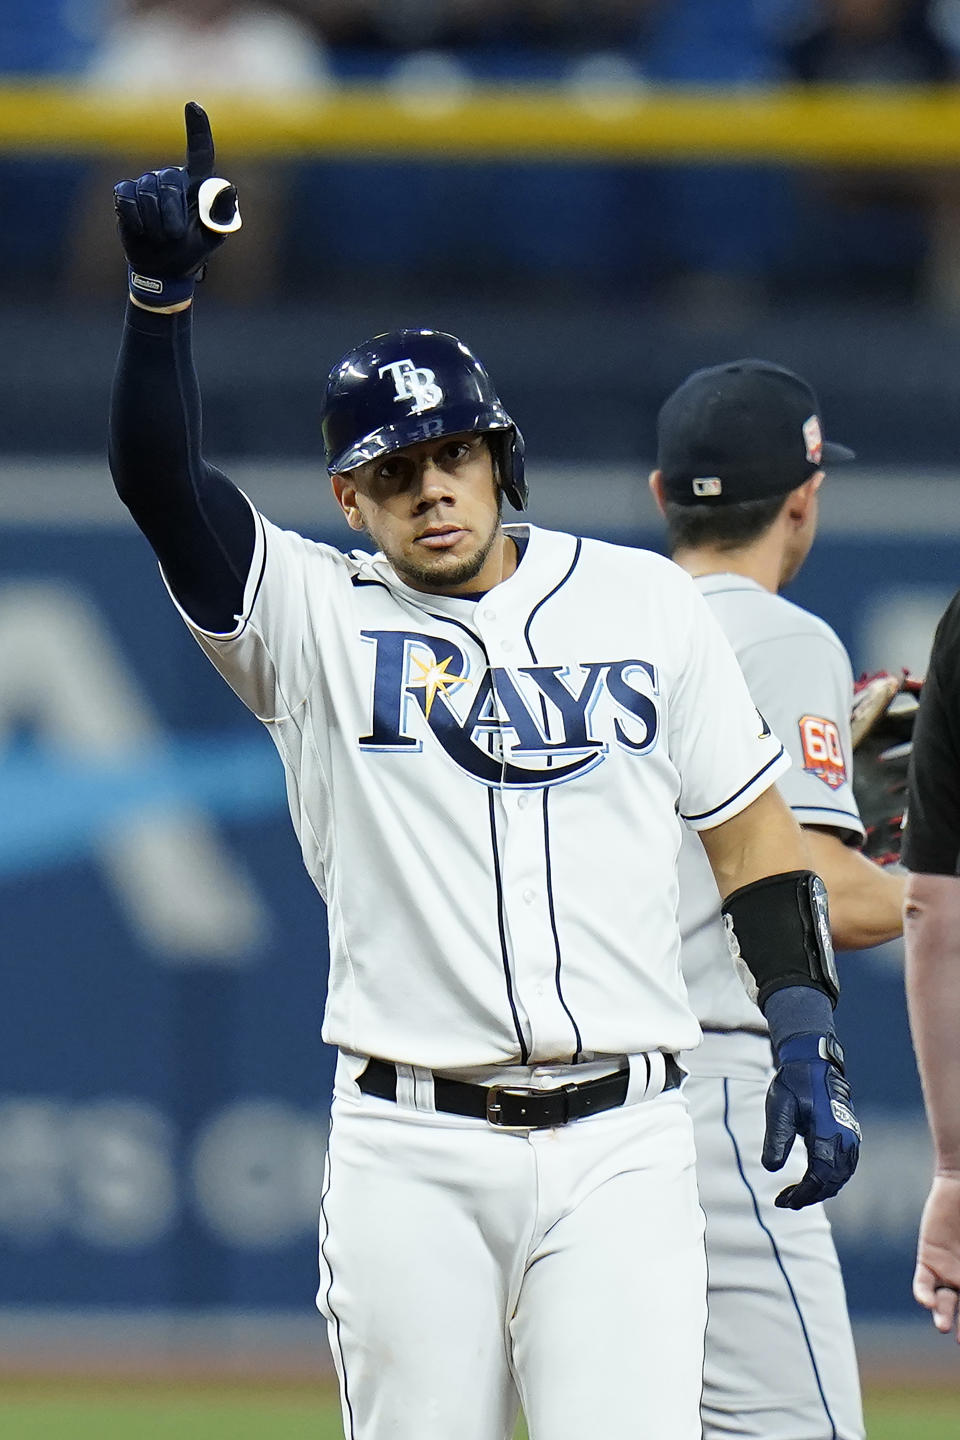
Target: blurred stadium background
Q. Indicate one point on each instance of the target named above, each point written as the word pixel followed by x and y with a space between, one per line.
pixel 599 198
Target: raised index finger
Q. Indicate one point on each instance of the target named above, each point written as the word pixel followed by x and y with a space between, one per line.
pixel 200 155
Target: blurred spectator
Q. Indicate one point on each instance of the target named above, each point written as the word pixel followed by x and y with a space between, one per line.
pixel 870 42
pixel 879 43
pixel 199 49
pixel 421 24
pixel 208 44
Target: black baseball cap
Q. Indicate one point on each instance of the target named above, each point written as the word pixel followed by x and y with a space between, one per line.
pixel 747 430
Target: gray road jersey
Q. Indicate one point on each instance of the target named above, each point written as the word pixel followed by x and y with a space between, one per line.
pixel 800 678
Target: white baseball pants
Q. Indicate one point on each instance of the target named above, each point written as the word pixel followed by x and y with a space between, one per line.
pixel 466 1270
pixel 780 1362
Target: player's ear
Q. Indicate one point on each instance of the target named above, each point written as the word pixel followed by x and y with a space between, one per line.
pixel 656 489
pixel 345 492
pixel 799 500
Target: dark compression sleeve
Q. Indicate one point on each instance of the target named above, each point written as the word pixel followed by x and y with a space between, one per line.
pixel 200 526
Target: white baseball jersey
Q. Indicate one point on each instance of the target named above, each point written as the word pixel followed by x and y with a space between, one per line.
pixel 800 678
pixel 487 792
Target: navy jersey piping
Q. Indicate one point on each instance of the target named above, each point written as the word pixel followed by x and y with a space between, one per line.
pixel 434 614
pixel 504 956
pixel 263 571
pixel 553 929
pixel 524 1052
pixel 336 1317
pixel 549 595
pixel 830 810
pixel 557 976
pixel 211 634
pixel 705 814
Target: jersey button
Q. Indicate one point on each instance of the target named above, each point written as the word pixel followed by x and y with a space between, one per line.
pixel 529 896
pixel 506 644
pixel 523 800
pixel 489 614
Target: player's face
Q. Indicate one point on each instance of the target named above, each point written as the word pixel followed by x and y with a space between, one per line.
pixel 434 511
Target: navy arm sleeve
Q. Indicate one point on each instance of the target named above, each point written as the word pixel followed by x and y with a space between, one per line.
pixel 199 524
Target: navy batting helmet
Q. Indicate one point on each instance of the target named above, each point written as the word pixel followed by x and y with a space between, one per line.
pixel 413 385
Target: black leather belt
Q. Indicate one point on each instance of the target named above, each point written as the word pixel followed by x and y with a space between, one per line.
pixel 514 1107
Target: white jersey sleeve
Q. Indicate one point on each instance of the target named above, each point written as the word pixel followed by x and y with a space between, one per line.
pixel 270 656
pixel 726 753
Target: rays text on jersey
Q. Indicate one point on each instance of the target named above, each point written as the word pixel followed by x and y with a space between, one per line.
pixel 529 725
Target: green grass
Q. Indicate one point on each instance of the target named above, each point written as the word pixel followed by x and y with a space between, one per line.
pixel 34 1411
pixel 159 1413
pixel 913 1415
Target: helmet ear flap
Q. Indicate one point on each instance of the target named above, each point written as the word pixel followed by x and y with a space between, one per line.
pixel 508 453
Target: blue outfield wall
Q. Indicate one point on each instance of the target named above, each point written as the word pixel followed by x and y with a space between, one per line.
pixel 163 1087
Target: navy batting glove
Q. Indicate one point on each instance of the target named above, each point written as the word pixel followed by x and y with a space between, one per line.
pixel 809 1096
pixel 170 221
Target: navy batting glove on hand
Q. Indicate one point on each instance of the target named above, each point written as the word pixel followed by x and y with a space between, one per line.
pixel 809 1096
pixel 171 220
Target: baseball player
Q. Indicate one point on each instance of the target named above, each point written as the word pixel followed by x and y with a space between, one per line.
pixel 931 852
pixel 489 734
pixel 739 470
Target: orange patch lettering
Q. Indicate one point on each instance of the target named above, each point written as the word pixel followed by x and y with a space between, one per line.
pixel 822 752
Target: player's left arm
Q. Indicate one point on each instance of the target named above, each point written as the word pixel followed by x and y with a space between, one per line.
pixel 761 840
pixel 775 913
pixel 932 933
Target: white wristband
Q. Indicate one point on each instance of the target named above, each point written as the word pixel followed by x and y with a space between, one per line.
pixel 206 199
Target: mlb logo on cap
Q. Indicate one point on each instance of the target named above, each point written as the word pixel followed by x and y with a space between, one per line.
pixel 708 485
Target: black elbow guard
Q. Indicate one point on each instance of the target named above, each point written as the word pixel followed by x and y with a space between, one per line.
pixel 778 930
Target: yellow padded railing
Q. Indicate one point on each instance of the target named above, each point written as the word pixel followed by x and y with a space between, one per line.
pixel 787 126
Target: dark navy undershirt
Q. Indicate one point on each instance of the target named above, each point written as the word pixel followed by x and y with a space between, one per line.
pixel 521 543
pixel 199 524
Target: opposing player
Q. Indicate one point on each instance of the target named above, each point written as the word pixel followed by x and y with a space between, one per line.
pixel 931 853
pixel 740 465
pixel 486 747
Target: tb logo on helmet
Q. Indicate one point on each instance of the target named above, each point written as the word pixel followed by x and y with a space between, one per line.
pixel 415 384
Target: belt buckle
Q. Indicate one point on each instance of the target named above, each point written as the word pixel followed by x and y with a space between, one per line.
pixel 493 1105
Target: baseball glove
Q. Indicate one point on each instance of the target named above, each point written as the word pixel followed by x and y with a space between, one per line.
pixel 881 727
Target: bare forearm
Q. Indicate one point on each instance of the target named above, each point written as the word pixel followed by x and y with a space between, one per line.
pixel 932 934
pixel 762 840
pixel 866 902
